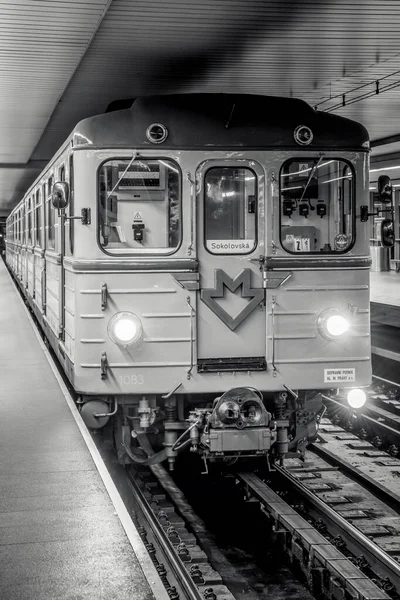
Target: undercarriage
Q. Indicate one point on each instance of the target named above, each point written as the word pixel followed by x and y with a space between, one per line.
pixel 242 423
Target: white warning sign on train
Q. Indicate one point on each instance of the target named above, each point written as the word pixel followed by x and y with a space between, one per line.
pixel 339 375
pixel 137 216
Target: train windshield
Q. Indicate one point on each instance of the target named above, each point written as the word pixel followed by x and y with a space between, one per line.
pixel 139 206
pixel 317 205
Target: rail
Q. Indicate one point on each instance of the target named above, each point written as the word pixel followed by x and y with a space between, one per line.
pixel 381 563
pixel 189 589
pixel 384 564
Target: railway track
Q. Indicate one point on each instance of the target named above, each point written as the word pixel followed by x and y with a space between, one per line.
pixel 182 565
pixel 346 492
pixel 342 540
pixel 377 421
pixel 344 506
pixel 170 528
pixel 387 393
pixel 336 559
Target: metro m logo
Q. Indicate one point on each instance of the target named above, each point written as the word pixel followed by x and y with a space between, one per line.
pixel 209 296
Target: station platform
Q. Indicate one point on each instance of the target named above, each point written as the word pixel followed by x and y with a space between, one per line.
pixel 64 531
pixel 385 288
pixel 385 324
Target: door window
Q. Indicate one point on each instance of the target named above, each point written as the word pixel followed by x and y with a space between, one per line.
pixel 50 217
pixel 29 222
pixel 230 210
pixel 38 219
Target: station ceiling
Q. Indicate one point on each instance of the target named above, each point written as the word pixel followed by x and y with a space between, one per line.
pixel 64 60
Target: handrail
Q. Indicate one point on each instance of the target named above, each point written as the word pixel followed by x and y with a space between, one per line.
pixel 190 180
pixel 43 288
pixel 192 315
pixel 273 334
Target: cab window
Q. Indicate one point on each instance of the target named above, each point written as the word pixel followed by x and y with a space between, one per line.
pixel 230 210
pixel 317 205
pixel 140 206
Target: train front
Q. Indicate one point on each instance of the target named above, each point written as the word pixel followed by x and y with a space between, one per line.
pixel 236 287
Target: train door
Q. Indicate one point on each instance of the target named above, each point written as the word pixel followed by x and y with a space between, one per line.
pixel 18 254
pixel 396 248
pixel 53 267
pixel 24 267
pixel 231 318
pixel 62 221
pixel 44 238
pixel 30 256
pixel 67 306
pixel 39 251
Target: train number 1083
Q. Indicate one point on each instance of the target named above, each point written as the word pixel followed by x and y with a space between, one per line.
pixel 136 379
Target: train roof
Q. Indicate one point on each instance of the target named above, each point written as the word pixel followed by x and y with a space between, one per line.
pixel 201 121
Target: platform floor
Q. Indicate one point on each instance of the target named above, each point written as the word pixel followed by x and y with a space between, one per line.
pixel 385 323
pixel 385 287
pixel 61 536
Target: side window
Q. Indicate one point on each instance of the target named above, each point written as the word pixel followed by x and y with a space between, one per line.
pixel 38 219
pixel 230 210
pixel 50 216
pixel 317 205
pixel 45 216
pixel 29 221
pixel 23 224
pixel 139 206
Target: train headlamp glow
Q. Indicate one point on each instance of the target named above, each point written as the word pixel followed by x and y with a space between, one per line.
pixel 356 398
pixel 337 325
pixel 333 324
pixel 125 329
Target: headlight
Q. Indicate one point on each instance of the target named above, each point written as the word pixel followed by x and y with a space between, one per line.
pixel 125 329
pixel 356 398
pixel 332 323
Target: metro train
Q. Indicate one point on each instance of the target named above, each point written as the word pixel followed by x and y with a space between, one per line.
pixel 199 263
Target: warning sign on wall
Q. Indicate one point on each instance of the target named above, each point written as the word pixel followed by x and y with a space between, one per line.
pixel 339 375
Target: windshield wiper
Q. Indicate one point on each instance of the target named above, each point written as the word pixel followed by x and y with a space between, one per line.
pixel 122 176
pixel 311 175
